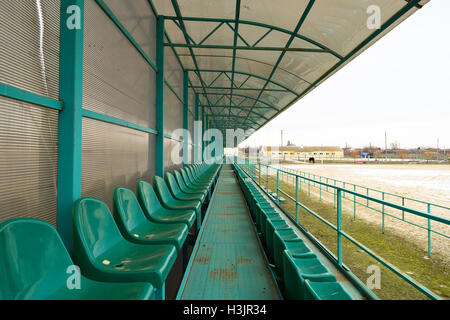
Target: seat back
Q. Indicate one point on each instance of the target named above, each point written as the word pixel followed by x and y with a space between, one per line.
pixel 161 190
pixel 127 211
pixel 189 174
pixel 94 229
pixel 33 259
pixel 173 186
pixel 148 199
pixel 187 179
pixel 180 180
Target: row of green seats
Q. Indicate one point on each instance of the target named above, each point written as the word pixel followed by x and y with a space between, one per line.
pixel 127 255
pixel 304 276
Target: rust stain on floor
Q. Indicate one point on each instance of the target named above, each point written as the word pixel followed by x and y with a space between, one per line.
pixel 242 260
pixel 223 274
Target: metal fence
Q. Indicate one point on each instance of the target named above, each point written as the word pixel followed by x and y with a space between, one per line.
pixel 340 191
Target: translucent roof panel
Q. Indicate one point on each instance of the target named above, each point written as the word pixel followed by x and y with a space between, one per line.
pixel 249 60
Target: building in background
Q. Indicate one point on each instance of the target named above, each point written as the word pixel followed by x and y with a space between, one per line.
pixel 302 153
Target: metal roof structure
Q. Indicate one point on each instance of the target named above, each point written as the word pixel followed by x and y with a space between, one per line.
pixel 249 60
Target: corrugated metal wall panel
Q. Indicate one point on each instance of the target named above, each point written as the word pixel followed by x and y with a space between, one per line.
pixel 137 17
pixel 114 156
pixel 118 81
pixel 173 111
pixel 29 50
pixel 172 158
pixel 173 71
pixel 28 160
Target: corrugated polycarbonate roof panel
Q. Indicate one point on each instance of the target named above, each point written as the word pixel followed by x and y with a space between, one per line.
pixel 264 55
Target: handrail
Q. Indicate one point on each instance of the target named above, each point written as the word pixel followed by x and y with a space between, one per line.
pixel 338 228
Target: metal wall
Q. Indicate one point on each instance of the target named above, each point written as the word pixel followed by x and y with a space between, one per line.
pixel 117 81
pixel 29 60
pixel 120 83
pixel 114 156
pixel 173 108
pixel 29 50
pixel 28 160
pixel 119 86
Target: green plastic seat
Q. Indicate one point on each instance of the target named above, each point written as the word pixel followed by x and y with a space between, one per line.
pixel 284 231
pixel 195 180
pixel 177 193
pixel 103 253
pixel 188 180
pixel 135 227
pixel 325 291
pixel 295 245
pixel 169 202
pixel 156 212
pixel 187 189
pixel 201 176
pixel 297 269
pixel 270 222
pixel 34 265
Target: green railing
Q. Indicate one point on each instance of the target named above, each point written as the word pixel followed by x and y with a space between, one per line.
pixel 349 193
pixel 257 170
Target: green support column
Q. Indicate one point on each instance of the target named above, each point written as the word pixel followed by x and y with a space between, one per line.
pixel 197 137
pixel 207 136
pixel 70 118
pixel 159 154
pixel 186 118
pixel 203 134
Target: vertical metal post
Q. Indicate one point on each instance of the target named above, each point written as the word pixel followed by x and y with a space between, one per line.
pixel 70 118
pixel 159 154
pixel 382 212
pixel 259 172
pixel 334 194
pixel 309 184
pixel 320 187
pixel 186 118
pixel 354 202
pixel 278 186
pixel 203 134
pixel 429 230
pixel 339 226
pixel 197 133
pixel 403 212
pixel 267 179
pixel 296 198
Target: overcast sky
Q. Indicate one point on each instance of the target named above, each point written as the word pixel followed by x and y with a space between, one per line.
pixel 400 85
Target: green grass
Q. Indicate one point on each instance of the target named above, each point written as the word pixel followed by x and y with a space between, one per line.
pixel 406 256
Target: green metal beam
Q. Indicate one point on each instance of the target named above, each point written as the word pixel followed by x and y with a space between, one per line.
pixel 186 117
pixel 125 32
pixel 288 44
pixel 211 33
pixel 70 118
pixel 240 108
pixel 236 34
pixel 159 154
pixel 248 74
pixel 236 47
pixel 186 37
pixel 197 135
pixel 239 88
pixel 30 97
pixel 259 24
pixel 108 119
pixel 241 95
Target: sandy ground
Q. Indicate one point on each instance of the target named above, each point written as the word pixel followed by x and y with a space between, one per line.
pixel 429 183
